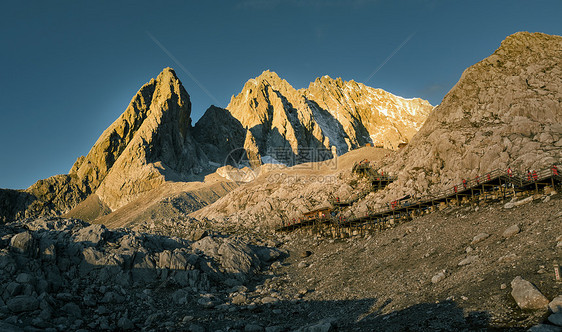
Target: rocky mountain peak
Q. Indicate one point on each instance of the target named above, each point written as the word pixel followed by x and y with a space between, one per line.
pixel 366 114
pixel 326 80
pixel 503 112
pixel 149 143
pixel 267 79
pixel 330 114
pixel 269 76
pixel 165 93
pixel 525 40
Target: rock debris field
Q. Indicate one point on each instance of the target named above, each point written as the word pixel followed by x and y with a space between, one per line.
pixel 463 268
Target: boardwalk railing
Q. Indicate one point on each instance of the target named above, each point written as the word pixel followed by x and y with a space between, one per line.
pixel 472 189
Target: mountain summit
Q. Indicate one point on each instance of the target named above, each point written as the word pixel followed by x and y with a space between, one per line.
pixel 331 117
pixel 154 142
pixel 148 144
pixel 505 111
pixel 368 115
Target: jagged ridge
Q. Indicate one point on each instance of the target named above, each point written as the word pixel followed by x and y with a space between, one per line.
pixel 330 116
pixel 153 141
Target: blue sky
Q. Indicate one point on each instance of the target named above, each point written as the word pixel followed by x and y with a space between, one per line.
pixel 70 68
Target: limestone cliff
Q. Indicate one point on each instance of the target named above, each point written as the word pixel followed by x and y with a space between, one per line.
pixel 367 115
pixel 278 120
pixel 150 143
pixel 505 111
pixel 113 141
pixel 331 116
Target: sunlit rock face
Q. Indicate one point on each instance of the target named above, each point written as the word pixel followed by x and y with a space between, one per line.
pixel 150 143
pixel 329 117
pixel 505 111
pixel 153 140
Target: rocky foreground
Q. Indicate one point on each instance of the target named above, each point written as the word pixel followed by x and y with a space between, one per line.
pixel 463 268
pixel 63 274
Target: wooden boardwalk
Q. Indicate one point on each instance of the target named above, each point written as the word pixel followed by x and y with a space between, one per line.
pixel 494 185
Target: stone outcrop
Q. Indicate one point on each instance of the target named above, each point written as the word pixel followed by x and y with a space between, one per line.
pixel 54 195
pixel 57 193
pixel 505 111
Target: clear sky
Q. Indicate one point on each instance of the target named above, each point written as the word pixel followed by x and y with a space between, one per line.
pixel 70 68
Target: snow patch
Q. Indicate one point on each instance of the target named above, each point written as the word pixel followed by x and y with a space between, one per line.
pixel 382 110
pixel 331 128
pixel 270 160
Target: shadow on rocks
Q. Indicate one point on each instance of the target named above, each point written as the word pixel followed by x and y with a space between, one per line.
pixel 443 316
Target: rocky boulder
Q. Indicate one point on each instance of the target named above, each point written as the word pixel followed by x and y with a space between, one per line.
pixel 527 295
pixel 22 303
pixel 235 257
pixel 23 243
pixel 91 235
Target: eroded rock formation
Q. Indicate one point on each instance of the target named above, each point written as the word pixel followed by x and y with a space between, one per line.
pixel 330 117
pixel 505 111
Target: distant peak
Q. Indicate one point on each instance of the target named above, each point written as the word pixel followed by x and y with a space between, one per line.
pixel 268 75
pixel 266 78
pixel 327 80
pixel 167 74
pixel 525 35
pixel 527 40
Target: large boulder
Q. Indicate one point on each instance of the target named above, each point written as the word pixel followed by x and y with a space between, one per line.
pixel 527 295
pixel 23 243
pixel 235 257
pixel 22 303
pixel 91 235
pixel 556 304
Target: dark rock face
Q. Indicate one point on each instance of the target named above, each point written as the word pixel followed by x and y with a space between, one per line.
pixel 219 134
pixel 12 203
